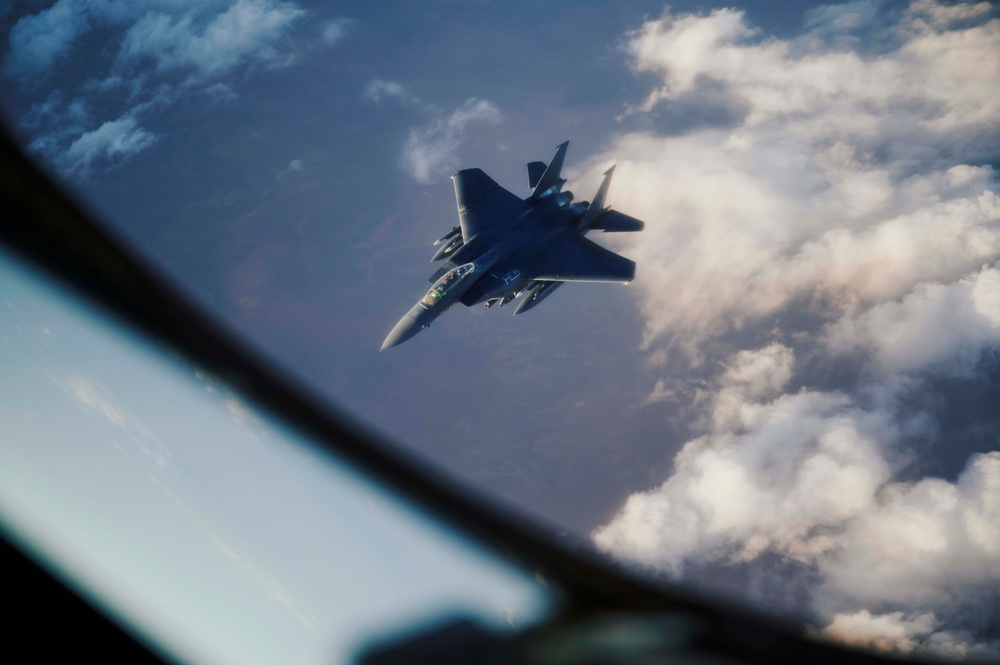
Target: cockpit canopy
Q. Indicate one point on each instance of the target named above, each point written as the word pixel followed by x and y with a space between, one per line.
pixel 447 284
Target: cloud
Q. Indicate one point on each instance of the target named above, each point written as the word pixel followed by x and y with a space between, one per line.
pixel 159 52
pixel 816 256
pixel 923 544
pixel 945 326
pixel 95 398
pixel 775 475
pixel 378 91
pixel 841 20
pixel 247 32
pixel 113 140
pixel 751 376
pixel 431 151
pixel 943 15
pixel 38 41
pixel 55 109
pixel 808 476
pixel 333 31
pixel 844 179
pixel 239 412
pixel 898 634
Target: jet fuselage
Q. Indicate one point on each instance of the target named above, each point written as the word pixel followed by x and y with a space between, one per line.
pixel 542 224
pixel 505 245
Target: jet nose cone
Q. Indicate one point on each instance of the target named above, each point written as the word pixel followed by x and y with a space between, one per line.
pixel 404 330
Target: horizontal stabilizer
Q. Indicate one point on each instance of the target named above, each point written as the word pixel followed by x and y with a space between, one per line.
pixel 482 203
pixel 581 260
pixel 613 220
pixel 535 172
pixel 550 178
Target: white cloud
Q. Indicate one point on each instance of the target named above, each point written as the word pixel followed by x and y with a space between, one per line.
pixel 943 326
pixel 898 634
pixel 431 152
pixel 751 376
pixel 943 15
pixel 249 31
pixel 115 139
pixel 842 181
pixel 379 90
pixel 95 398
pixel 769 476
pixel 840 20
pixel 165 50
pixel 333 31
pixel 922 544
pixel 808 477
pixel 848 89
pixel 38 41
pixel 841 206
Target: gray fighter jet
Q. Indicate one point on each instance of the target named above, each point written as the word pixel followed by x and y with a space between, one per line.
pixel 505 247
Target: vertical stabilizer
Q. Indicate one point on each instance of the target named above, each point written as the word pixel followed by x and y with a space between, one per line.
pixel 597 208
pixel 535 172
pixel 550 178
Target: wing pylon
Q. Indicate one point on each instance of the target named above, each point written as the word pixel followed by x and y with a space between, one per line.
pixel 536 293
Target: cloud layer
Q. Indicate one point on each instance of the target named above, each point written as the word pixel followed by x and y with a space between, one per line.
pixel 900 635
pixel 244 32
pixel 163 51
pixel 431 150
pixel 846 177
pixel 822 244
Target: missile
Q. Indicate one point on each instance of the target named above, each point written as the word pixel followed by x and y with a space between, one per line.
pixel 448 249
pixel 447 236
pixel 538 292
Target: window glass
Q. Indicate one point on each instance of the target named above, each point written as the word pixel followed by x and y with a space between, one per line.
pixel 211 531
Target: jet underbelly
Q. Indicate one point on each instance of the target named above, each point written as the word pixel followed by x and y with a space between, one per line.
pixel 481 291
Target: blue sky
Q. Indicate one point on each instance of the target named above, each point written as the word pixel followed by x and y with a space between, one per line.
pixel 792 405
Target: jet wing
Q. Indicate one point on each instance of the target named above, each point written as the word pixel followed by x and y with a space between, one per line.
pixel 482 203
pixel 581 260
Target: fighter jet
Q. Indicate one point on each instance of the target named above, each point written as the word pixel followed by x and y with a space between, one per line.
pixel 505 246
